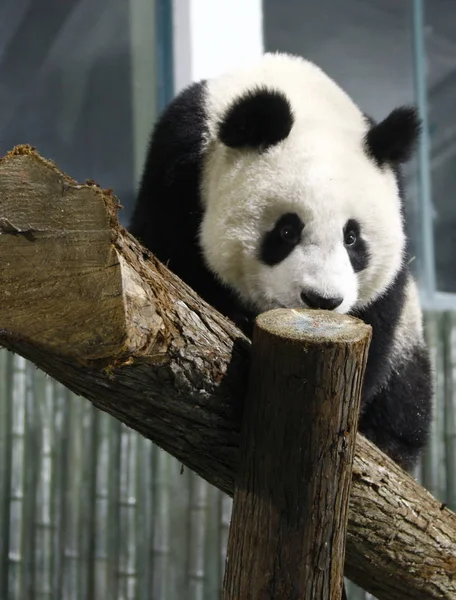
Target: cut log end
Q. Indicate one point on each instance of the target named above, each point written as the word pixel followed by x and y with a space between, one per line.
pixel 313 326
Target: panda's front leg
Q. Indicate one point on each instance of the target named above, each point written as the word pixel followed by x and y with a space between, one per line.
pixel 397 419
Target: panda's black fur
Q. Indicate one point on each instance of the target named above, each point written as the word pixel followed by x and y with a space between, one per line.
pixel 396 407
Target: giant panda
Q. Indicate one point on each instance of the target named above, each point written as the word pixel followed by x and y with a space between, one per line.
pixel 268 187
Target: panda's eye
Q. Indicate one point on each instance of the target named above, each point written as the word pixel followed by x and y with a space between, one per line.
pixel 351 232
pixel 350 237
pixel 281 240
pixel 290 234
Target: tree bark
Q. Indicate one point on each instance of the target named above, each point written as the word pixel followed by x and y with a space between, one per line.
pixel 85 302
pixel 290 509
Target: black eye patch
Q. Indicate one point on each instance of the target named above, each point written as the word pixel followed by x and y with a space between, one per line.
pixel 356 247
pixel 280 242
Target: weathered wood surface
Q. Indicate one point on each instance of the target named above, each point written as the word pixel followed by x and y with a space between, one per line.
pixel 304 391
pixel 82 299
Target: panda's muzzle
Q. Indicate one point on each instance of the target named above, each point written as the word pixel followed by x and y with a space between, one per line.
pixel 314 300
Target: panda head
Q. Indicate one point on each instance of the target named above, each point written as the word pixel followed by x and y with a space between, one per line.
pixel 299 189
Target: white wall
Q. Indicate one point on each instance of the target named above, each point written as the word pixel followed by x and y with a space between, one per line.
pixel 212 36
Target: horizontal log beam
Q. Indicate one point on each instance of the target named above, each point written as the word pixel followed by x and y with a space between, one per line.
pixel 85 302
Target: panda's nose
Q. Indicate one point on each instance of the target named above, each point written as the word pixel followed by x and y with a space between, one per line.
pixel 313 300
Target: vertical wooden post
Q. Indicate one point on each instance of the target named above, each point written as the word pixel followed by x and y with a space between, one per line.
pixel 287 534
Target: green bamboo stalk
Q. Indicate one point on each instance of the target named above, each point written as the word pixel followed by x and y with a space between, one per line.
pixel 197 538
pixel 128 575
pixel 73 584
pixel 113 521
pixel 179 490
pixel 6 451
pixel 212 556
pixel 102 506
pixel 32 447
pixel 87 516
pixel 161 525
pixel 44 525
pixel 226 507
pixel 18 533
pixel 144 533
pixel 432 471
pixel 449 337
pixel 84 516
pixel 53 417
pixel 60 477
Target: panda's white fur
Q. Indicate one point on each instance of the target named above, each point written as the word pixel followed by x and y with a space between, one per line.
pixel 409 330
pixel 330 166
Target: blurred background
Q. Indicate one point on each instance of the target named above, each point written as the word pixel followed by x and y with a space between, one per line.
pixel 88 508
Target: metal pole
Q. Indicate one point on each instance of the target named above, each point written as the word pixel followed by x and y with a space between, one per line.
pixel 428 277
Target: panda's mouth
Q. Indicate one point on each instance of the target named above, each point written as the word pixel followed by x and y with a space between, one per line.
pixel 273 304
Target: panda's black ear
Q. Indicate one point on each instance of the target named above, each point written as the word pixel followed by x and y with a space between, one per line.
pixel 258 119
pixel 394 139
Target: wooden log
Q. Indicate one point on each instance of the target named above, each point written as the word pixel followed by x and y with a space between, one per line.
pixel 161 360
pixel 290 509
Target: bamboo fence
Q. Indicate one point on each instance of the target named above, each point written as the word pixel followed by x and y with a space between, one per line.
pixel 91 510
